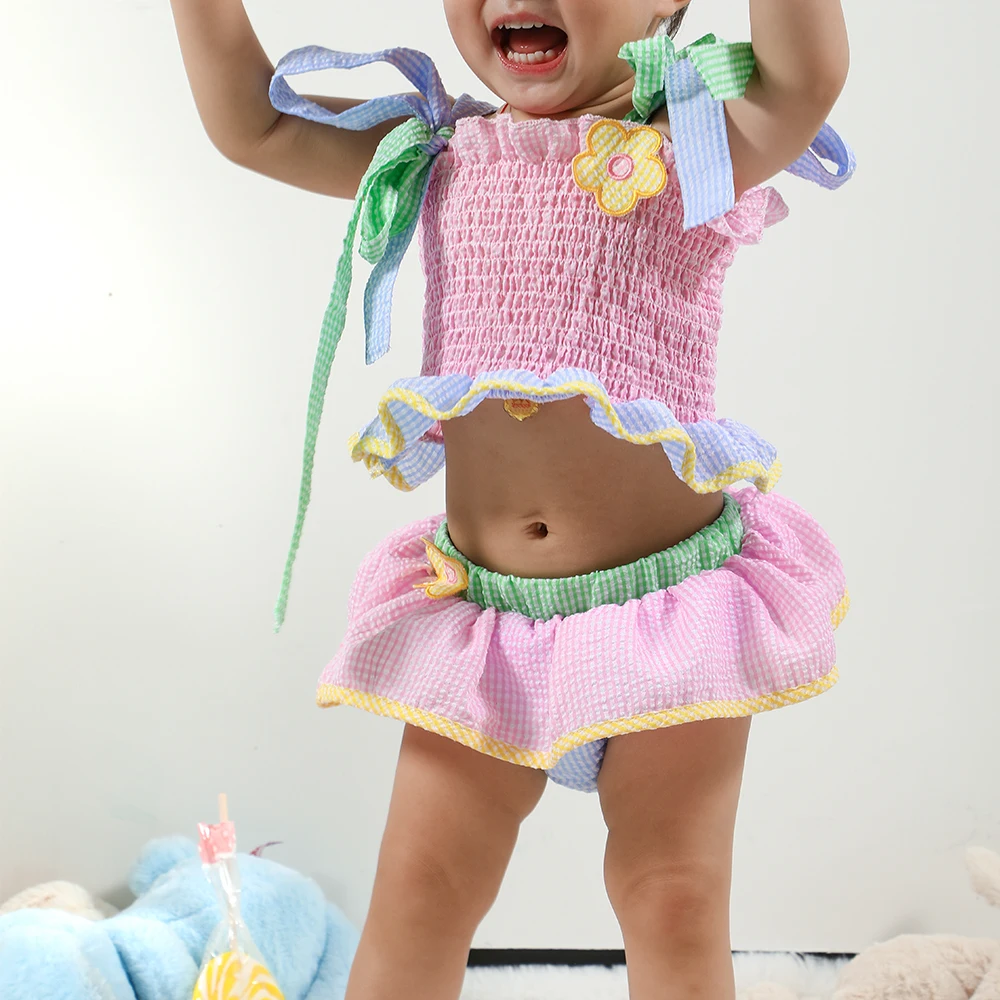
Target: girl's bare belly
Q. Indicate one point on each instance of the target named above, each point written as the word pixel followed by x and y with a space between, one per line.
pixel 555 495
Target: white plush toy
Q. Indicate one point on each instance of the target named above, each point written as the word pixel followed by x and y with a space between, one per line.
pixel 932 967
pixel 60 896
pixel 921 966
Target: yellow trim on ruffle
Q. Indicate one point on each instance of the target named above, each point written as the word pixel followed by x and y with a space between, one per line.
pixel 371 448
pixel 840 611
pixel 329 695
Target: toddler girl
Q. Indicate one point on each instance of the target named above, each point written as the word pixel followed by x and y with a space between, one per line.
pixel 600 606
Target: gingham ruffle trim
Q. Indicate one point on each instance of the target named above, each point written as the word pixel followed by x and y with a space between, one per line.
pixel 329 696
pixel 708 455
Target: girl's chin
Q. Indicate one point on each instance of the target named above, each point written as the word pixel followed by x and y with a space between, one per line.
pixel 537 99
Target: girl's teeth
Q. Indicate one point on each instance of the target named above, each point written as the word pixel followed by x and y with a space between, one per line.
pixel 531 57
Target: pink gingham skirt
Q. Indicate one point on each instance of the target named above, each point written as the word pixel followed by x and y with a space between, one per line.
pixel 754 634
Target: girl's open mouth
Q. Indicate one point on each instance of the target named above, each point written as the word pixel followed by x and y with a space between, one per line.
pixel 529 46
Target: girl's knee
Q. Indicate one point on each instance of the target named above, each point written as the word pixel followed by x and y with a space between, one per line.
pixel 437 888
pixel 681 898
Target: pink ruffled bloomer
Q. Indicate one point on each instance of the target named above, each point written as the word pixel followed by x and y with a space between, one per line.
pixel 753 634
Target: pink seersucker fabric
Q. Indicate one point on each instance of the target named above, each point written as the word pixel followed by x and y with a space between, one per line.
pixel 752 635
pixel 525 272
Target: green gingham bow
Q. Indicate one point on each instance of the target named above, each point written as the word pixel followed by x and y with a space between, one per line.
pixel 386 211
pixel 725 69
pixel 693 83
pixel 387 206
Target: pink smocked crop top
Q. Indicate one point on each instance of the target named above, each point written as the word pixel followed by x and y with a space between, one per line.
pixel 524 271
pixel 534 291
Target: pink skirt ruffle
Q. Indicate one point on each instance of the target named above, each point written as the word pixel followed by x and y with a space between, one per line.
pixel 752 635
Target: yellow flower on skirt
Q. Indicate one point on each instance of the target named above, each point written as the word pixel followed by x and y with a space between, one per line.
pixel 450 577
pixel 621 165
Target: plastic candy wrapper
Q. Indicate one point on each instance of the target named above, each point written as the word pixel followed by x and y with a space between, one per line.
pixel 232 968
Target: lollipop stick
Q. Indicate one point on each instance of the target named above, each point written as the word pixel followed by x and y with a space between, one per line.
pixel 223 808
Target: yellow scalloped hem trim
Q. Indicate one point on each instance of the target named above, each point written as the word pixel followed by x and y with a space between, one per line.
pixel 369 449
pixel 328 696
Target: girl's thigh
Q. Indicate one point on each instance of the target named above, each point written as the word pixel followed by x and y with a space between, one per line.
pixel 453 817
pixel 669 798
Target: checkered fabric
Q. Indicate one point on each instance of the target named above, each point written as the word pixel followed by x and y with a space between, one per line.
pixel 705 454
pixel 541 599
pixel 735 636
pixel 693 83
pixel 386 210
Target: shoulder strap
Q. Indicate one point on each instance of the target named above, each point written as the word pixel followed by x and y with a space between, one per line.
pixel 693 83
pixel 725 69
pixel 386 210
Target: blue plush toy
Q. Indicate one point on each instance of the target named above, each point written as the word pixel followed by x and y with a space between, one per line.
pixel 152 950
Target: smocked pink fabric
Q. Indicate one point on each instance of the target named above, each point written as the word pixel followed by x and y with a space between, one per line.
pixel 525 272
pixel 752 635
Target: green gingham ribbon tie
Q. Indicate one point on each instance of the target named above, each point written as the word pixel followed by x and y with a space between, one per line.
pixel 693 83
pixel 386 211
pixel 725 69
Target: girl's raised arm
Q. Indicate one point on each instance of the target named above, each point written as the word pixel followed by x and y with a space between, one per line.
pixel 802 59
pixel 230 75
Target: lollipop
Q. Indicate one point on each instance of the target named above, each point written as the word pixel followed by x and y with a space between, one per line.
pixel 232 976
pixel 232 968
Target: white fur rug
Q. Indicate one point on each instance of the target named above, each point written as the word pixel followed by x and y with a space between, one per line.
pixel 801 979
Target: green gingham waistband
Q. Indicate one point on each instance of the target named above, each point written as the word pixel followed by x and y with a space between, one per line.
pixel 544 598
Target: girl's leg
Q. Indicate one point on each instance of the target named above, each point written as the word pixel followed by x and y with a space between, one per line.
pixel 453 821
pixel 669 799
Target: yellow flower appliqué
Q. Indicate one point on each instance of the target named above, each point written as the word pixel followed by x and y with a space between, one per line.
pixel 450 576
pixel 521 409
pixel 621 165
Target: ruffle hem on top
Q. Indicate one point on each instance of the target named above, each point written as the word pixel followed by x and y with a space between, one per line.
pixel 403 444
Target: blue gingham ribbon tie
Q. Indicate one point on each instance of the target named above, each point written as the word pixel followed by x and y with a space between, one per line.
pixel 431 107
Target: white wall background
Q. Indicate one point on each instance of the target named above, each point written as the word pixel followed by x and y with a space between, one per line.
pixel 158 319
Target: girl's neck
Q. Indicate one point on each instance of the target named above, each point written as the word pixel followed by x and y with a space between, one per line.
pixel 617 103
